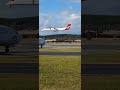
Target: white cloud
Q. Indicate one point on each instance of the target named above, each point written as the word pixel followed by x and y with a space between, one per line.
pixel 74 16
pixel 61 19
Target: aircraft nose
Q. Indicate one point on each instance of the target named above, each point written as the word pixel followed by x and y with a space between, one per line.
pixel 14 38
pixel 20 38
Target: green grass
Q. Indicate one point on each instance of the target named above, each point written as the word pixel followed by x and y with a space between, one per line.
pixel 101 58
pixel 101 82
pixel 60 73
pixel 60 49
pixel 56 72
pixel 19 59
pixel 18 82
pixel 11 81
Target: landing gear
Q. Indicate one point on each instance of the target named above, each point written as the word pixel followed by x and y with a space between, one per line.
pixel 7 49
pixel 41 46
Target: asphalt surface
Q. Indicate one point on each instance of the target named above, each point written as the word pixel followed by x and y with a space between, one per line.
pixel 60 53
pixel 25 68
pixel 94 48
pixel 20 53
pixel 62 45
pixel 102 69
pixel 41 53
pixel 106 47
pixel 33 68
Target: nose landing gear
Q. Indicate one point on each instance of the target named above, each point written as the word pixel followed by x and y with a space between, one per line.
pixel 41 46
pixel 7 49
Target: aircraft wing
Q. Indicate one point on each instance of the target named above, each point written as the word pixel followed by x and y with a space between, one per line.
pixel 22 2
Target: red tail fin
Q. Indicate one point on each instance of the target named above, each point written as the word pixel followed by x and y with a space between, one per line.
pixel 68 27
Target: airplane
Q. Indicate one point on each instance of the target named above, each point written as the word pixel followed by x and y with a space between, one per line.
pixel 41 42
pixel 9 37
pixel 57 29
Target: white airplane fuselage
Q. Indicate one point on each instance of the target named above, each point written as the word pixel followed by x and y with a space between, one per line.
pixel 57 29
pixel 53 29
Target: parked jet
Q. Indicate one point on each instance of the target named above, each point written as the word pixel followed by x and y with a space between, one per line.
pixel 57 29
pixel 9 37
pixel 41 42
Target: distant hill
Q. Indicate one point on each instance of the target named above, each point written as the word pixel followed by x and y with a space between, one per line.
pixel 100 19
pixel 21 23
pixel 62 36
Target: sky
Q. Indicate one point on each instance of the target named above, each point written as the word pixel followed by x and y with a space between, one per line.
pixel 59 13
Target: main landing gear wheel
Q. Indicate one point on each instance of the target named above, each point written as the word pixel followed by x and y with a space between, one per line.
pixel 41 46
pixel 7 50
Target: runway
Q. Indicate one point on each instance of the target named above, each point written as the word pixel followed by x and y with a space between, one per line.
pixel 97 47
pixel 27 53
pixel 60 53
pixel 24 68
pixel 20 53
pixel 25 47
pixel 101 69
pixel 94 48
pixel 33 68
pixel 62 45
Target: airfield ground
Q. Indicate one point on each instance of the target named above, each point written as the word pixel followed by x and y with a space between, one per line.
pixel 17 59
pixel 18 81
pixel 103 41
pixel 55 73
pixel 60 50
pixel 89 81
pixel 100 59
pixel 60 73
pixel 64 73
pixel 101 51
pixel 15 66
pixel 100 82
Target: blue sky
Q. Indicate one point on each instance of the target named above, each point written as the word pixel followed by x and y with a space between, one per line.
pixel 57 5
pixel 58 13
